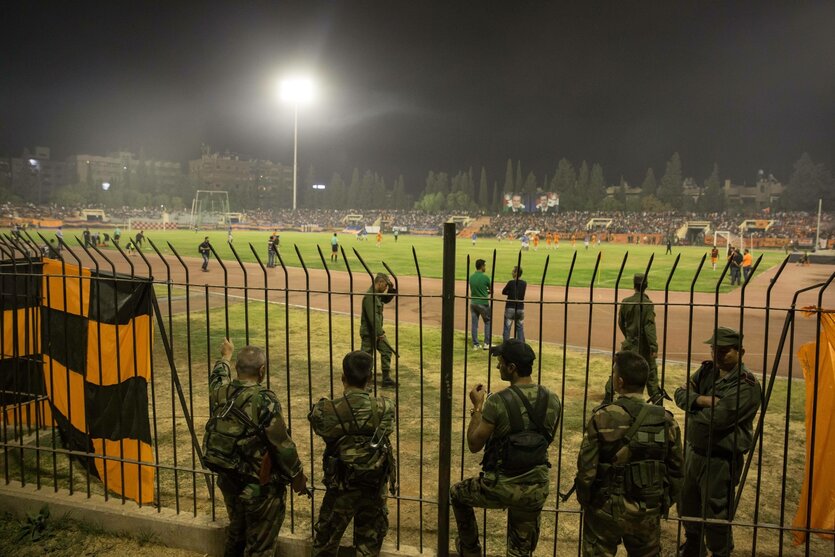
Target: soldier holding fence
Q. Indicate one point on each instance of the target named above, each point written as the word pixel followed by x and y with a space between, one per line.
pixel 358 461
pixel 247 444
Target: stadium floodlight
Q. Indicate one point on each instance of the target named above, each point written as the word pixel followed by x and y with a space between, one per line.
pixel 318 186
pixel 297 91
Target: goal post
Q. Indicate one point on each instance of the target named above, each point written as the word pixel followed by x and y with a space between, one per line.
pixel 731 239
pixel 210 208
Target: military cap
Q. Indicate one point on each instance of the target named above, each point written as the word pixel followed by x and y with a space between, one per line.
pixel 514 351
pixel 725 336
pixel 382 276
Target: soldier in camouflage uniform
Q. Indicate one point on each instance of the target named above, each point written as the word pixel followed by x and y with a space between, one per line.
pixel 371 324
pixel 254 493
pixel 358 461
pixel 629 469
pixel 636 320
pixel 502 484
pixel 721 401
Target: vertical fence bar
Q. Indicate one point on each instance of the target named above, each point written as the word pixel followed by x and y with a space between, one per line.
pixel 420 433
pixel 558 497
pixel 396 388
pixel 246 291
pixel 287 371
pixel 588 335
pixel 350 293
pixel 664 332
pixel 771 285
pixel 266 311
pixel 541 312
pixel 330 317
pixel 445 425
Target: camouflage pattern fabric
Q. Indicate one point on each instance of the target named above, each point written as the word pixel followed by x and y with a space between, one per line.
pixel 370 516
pixel 523 497
pixel 611 518
pixel 367 507
pixel 255 517
pixel 255 512
pixel 725 433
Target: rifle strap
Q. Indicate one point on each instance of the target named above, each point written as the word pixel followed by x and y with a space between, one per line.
pixel 536 414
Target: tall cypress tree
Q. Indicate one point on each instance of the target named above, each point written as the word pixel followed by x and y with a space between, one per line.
pixel 597 187
pixel 518 184
pixel 483 200
pixel 649 185
pixel 670 190
pixel 508 177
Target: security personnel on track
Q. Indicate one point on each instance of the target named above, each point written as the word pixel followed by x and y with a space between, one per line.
pixel 629 469
pixel 358 461
pixel 721 401
pixel 373 336
pixel 247 444
pixel 636 320
pixel 515 426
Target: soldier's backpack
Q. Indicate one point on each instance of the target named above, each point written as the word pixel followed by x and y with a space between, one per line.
pixel 230 432
pixel 644 475
pixel 523 448
pixel 362 457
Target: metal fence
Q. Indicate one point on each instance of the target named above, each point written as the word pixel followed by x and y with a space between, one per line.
pixel 305 320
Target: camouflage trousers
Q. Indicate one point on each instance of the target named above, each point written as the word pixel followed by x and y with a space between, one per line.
pixel 383 350
pixel 605 527
pixel 708 488
pixel 255 516
pixel 370 516
pixel 523 499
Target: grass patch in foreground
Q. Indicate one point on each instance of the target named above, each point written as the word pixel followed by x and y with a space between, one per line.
pixel 311 374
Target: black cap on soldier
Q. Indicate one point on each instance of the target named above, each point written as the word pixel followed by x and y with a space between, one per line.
pixel 514 351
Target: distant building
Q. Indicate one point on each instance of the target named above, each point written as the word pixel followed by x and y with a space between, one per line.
pixel 124 167
pixel 33 176
pixel 763 194
pixel 243 177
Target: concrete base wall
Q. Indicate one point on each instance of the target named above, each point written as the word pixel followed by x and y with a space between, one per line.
pixel 168 528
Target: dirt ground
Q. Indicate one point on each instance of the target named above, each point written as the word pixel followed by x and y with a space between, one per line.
pixel 595 329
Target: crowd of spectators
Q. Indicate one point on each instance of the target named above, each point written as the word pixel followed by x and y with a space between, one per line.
pixel 790 226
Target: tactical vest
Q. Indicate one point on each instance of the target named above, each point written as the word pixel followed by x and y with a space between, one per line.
pixel 231 444
pixel 641 478
pixel 362 457
pixel 523 448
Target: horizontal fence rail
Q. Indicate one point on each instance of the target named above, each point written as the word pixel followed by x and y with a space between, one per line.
pixel 305 319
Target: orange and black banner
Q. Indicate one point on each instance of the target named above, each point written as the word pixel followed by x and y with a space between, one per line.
pixel 92 358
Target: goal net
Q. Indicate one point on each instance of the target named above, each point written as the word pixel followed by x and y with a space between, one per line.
pixel 726 239
pixel 210 208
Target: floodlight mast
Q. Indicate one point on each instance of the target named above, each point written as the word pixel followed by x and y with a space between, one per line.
pixel 296 90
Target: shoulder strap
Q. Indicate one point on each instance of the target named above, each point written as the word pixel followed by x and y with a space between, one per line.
pixel 639 421
pixel 535 415
pixel 514 415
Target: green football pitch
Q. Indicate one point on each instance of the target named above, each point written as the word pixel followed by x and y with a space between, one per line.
pixel 429 251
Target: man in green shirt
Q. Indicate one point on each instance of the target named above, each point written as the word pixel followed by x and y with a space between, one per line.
pixel 510 479
pixel 721 400
pixel 480 303
pixel 373 336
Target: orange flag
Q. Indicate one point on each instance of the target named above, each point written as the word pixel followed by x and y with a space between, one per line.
pixel 822 486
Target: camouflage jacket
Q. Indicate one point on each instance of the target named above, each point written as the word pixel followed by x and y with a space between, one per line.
pixel 268 410
pixel 602 443
pixel 729 425
pixel 326 424
pixel 636 321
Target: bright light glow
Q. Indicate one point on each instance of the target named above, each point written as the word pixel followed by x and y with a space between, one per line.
pixel 105 186
pixel 318 186
pixel 297 90
pixel 33 162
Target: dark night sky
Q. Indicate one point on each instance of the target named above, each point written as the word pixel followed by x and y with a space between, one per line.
pixel 406 87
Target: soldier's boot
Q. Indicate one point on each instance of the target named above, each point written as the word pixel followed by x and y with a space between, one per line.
pixel 691 549
pixel 469 552
pixel 388 382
